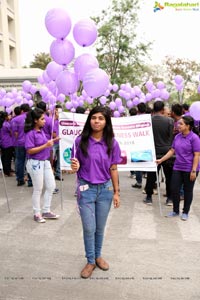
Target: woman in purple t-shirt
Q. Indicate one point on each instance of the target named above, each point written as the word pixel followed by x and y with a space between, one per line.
pixel 186 147
pixel 38 164
pixel 95 156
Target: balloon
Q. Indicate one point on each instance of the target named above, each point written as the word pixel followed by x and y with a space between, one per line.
pixel 33 89
pixel 160 85
pixel 95 82
pixel 43 91
pixel 103 100
pixel 115 87
pixel 178 79
pixel 164 94
pixel 58 23
pixel 53 69
pixel 67 83
pixel 198 89
pixel 26 85
pixel 46 77
pixel 112 105
pixel 62 51
pixel 69 105
pixel 61 97
pixel 137 90
pixel 195 110
pixel 85 63
pixel 149 85
pixel 118 102
pixel 148 97
pixel 121 109
pixel 116 114
pixel 129 104
pixel 85 32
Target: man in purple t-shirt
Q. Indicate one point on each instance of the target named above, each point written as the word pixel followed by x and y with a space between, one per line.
pixel 20 151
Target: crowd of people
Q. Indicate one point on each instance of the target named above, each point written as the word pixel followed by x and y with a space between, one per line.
pixel 30 138
pixel 177 146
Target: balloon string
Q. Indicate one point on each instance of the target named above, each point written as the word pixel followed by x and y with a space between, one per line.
pixel 74 136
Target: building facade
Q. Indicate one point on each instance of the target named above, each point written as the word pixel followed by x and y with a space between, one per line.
pixel 9 34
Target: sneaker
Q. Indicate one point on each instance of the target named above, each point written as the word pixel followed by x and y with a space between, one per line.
pixel 169 202
pixel 137 185
pixel 38 218
pixel 50 215
pixel 143 192
pixel 148 200
pixel 172 214
pixel 56 191
pixel 20 183
pixel 184 217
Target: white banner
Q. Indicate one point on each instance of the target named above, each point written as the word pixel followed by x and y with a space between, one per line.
pixel 134 135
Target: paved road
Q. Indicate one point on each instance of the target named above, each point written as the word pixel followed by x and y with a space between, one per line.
pixel 150 256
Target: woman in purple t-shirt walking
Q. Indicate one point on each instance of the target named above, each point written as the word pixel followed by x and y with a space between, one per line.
pixel 95 156
pixel 38 164
pixel 186 147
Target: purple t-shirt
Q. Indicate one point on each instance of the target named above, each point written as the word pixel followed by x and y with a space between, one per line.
pixel 18 127
pixel 34 139
pixel 95 168
pixel 184 147
pixel 6 136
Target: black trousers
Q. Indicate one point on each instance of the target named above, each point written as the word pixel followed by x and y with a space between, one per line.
pixel 179 178
pixel 6 158
pixel 151 179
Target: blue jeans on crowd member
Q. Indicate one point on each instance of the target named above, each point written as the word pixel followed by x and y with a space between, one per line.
pixel 94 201
pixel 20 154
pixel 56 154
pixel 179 178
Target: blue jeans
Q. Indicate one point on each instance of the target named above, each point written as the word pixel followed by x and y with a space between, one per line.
pixel 56 154
pixel 20 155
pixel 94 201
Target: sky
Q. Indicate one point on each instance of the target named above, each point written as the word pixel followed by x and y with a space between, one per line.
pixel 173 31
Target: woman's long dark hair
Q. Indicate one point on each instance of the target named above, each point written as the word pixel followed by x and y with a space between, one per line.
pixel 188 120
pixel 108 132
pixel 31 116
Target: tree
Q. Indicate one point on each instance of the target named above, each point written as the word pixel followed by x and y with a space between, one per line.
pixel 188 69
pixel 118 51
pixel 41 60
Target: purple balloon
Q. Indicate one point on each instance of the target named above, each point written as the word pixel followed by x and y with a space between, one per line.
pixel 95 82
pixel 53 69
pixel 160 85
pixel 67 83
pixel 195 110
pixel 62 51
pixel 103 100
pixel 84 63
pixel 115 87
pixel 58 23
pixel 118 102
pixel 129 104
pixel 116 114
pixel 178 79
pixel 85 32
pixel 26 85
pixel 112 105
pixel 61 97
pixel 198 89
